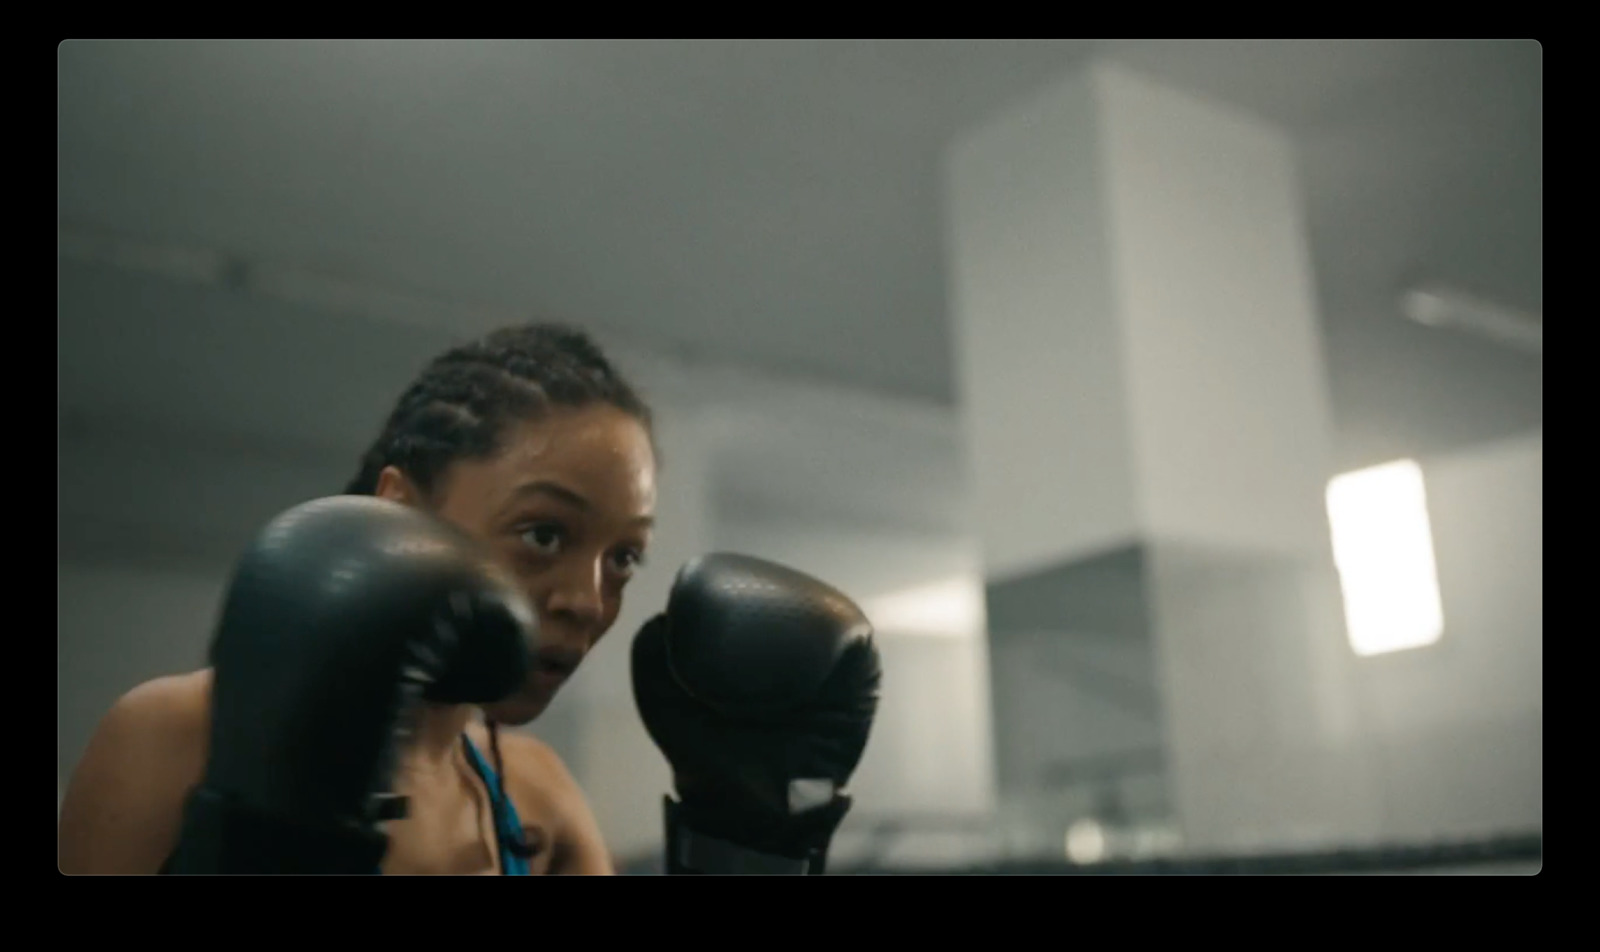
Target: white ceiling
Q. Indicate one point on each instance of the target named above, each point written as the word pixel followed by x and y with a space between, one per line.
pixel 773 205
pixel 773 202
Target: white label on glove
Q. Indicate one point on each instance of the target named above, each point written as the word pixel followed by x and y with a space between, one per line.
pixel 809 794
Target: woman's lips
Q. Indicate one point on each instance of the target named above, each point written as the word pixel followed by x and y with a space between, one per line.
pixel 552 668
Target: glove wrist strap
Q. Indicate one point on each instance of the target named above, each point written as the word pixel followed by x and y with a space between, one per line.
pixel 221 835
pixel 690 853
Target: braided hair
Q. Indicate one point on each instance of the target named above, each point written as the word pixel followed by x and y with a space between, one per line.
pixel 461 404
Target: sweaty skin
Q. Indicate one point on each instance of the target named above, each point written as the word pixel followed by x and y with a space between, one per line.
pixel 567 504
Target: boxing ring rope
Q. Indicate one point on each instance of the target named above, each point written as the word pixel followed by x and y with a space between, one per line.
pixel 1519 853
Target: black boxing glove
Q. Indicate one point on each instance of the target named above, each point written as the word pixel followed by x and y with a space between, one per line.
pixel 760 685
pixel 343 616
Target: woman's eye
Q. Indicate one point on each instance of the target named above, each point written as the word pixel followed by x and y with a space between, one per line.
pixel 544 538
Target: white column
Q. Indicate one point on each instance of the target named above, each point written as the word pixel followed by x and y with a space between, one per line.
pixel 1145 404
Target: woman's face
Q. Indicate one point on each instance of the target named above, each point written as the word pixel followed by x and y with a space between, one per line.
pixel 568 504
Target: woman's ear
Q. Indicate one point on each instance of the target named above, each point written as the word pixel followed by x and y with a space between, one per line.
pixel 397 487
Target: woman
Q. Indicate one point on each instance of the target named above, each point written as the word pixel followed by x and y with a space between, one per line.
pixel 531 441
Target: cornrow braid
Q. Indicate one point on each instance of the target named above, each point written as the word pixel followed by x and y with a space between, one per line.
pixel 461 404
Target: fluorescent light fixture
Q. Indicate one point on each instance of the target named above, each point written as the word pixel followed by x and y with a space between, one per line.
pixel 172 262
pixel 1383 547
pixel 287 284
pixel 1441 307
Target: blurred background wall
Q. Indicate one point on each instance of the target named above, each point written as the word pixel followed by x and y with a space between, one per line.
pixel 259 244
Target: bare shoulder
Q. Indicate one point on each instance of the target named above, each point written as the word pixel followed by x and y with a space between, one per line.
pixel 170 715
pixel 538 758
pixel 175 699
pixel 124 800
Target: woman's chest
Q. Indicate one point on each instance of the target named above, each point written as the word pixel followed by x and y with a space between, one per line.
pixel 458 833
